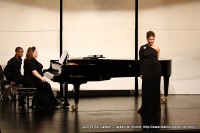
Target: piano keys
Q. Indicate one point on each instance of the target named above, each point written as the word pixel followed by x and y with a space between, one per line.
pixel 81 71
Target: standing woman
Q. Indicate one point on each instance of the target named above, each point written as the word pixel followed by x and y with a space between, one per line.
pixel 33 77
pixel 150 72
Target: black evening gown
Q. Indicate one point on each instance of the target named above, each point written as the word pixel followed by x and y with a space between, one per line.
pixel 150 69
pixel 44 97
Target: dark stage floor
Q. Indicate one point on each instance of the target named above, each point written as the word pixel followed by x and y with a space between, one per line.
pixel 104 114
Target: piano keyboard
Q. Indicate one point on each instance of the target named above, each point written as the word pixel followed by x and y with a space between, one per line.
pixel 51 74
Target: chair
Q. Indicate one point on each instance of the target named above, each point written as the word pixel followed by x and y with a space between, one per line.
pixel 2 83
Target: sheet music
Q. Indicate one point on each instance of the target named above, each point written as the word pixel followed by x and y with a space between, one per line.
pixel 63 57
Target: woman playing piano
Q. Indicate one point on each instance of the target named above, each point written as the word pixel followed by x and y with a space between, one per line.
pixel 150 71
pixel 33 76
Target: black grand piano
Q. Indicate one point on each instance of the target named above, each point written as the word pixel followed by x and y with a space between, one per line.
pixel 80 71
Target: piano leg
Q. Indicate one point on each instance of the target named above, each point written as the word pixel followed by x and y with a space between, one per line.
pixel 136 86
pixel 64 94
pixel 66 103
pixel 61 92
pixel 166 86
pixel 76 97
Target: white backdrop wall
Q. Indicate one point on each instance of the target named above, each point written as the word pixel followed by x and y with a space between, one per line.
pixel 106 27
pixel 28 23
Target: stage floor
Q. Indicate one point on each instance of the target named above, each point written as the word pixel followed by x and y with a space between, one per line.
pixel 104 114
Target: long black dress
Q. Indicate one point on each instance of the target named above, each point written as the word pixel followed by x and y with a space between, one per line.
pixel 45 97
pixel 150 69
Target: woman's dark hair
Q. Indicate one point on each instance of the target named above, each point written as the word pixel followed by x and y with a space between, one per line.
pixel 29 53
pixel 150 33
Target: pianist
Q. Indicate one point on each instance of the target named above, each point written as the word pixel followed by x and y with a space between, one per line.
pixel 33 76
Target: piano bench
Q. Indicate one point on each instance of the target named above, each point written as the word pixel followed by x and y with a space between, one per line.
pixel 23 91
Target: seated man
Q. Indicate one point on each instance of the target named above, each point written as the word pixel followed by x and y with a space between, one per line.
pixel 12 71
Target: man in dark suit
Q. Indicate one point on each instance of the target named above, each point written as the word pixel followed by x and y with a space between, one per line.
pixel 12 71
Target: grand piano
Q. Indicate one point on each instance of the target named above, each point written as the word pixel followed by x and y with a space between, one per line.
pixel 80 71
